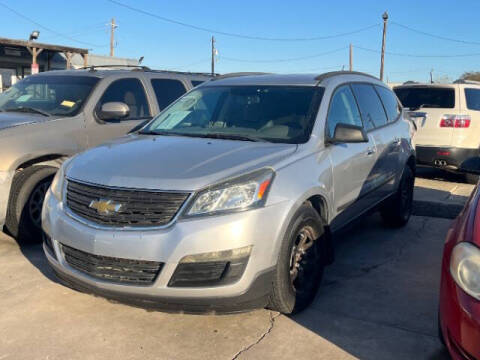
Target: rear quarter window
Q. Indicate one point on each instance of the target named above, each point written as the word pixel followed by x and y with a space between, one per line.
pixel 417 97
pixel 390 102
pixel 472 97
pixel 371 108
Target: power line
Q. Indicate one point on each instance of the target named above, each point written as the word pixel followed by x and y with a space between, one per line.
pixel 434 35
pixel 417 55
pixel 46 28
pixel 237 35
pixel 285 59
pixel 84 30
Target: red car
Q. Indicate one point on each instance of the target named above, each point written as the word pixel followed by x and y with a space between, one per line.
pixel 459 316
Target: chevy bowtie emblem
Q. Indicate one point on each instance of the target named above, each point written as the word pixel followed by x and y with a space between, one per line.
pixel 105 207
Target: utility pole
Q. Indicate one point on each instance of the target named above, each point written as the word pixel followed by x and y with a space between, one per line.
pixel 351 57
pixel 213 56
pixel 385 19
pixel 431 76
pixel 113 26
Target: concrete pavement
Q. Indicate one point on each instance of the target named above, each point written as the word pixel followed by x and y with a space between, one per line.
pixel 439 194
pixel 379 300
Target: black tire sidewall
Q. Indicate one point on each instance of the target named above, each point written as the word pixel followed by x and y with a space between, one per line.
pixel 18 221
pixel 284 298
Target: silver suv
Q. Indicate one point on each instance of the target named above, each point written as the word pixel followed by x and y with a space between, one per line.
pixel 48 117
pixel 227 199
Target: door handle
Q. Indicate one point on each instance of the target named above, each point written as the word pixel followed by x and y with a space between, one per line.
pixel 370 151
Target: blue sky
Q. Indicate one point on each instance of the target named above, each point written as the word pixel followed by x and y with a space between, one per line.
pixel 169 46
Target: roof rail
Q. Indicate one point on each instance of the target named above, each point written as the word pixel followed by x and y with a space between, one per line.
pixel 94 67
pixel 326 75
pixel 466 81
pixel 182 72
pixel 237 74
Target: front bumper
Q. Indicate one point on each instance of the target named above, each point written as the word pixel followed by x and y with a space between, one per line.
pixel 450 158
pixel 260 228
pixel 459 319
pixel 5 183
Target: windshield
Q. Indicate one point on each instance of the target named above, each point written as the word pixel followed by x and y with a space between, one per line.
pixel 251 113
pixel 48 95
pixel 426 97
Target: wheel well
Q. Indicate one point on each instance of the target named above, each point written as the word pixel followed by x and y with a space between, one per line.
pixel 412 164
pixel 319 204
pixel 52 159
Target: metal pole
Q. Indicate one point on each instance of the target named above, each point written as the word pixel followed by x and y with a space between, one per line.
pixel 213 56
pixel 385 19
pixel 351 57
pixel 112 38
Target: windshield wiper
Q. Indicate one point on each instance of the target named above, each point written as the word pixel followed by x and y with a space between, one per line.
pixel 208 135
pixel 160 132
pixel 28 109
pixel 232 137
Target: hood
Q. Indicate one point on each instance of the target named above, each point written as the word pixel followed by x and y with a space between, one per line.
pixel 171 162
pixel 10 119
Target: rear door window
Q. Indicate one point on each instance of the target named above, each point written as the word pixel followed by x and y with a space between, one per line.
pixel 371 107
pixel 343 110
pixel 416 97
pixel 167 91
pixel 131 92
pixel 473 99
pixel 390 102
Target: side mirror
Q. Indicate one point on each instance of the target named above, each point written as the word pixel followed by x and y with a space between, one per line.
pixel 113 111
pixel 346 133
pixel 471 166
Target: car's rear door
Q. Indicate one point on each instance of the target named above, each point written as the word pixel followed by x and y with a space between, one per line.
pixel 352 163
pixel 380 181
pixel 428 105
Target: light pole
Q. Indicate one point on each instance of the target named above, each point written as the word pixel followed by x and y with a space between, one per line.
pixel 385 19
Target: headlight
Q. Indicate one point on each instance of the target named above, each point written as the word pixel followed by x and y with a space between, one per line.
pixel 58 181
pixel 242 193
pixel 465 268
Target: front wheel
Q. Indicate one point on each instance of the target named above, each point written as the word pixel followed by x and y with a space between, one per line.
pixel 24 213
pixel 397 210
pixel 300 263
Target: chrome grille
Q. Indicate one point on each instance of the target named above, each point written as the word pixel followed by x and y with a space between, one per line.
pixel 118 270
pixel 139 208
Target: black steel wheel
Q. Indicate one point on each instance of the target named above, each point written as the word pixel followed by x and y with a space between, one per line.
pixel 300 263
pixel 397 210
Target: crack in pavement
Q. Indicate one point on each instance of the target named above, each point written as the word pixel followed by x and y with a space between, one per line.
pixel 262 336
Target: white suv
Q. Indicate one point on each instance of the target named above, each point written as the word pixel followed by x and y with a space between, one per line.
pixel 227 198
pixel 447 117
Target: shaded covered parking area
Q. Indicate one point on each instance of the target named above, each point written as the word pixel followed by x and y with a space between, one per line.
pixel 19 58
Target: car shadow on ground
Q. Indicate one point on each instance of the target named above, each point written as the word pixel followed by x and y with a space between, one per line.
pixel 379 299
pixel 439 174
pixel 33 252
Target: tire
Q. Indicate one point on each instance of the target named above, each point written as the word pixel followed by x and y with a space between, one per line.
pixel 298 276
pixel 29 186
pixel 471 179
pixel 397 210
